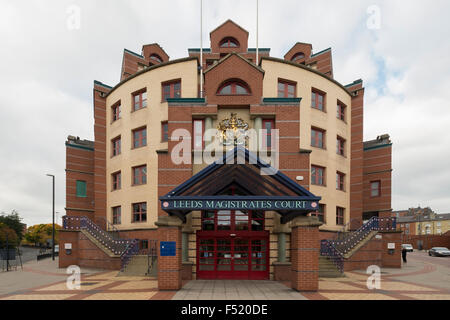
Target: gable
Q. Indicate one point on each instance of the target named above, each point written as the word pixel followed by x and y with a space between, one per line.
pixel 234 67
pixel 229 29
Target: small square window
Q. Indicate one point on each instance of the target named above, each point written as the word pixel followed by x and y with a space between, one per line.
pixel 139 175
pixel 81 189
pixel 140 100
pixel 117 215
pixel 116 146
pixel 375 189
pixel 139 138
pixel 317 175
pixel 318 100
pixel 317 138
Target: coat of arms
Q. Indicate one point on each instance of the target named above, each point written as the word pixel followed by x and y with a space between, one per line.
pixel 233 131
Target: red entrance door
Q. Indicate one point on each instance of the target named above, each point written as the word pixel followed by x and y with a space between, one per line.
pixel 233 245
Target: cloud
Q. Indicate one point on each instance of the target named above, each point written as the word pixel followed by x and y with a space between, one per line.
pixel 48 72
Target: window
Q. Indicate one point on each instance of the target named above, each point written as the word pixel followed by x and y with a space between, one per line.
pixel 233 220
pixel 341 110
pixel 171 90
pixel 298 56
pixel 340 216
pixel 117 215
pixel 139 175
pixel 234 88
pixel 164 131
pixel 317 138
pixel 268 126
pixel 286 89
pixel 320 213
pixel 198 129
pixel 116 111
pixel 155 57
pixel 143 244
pixel 140 100
pixel 139 138
pixel 140 212
pixel 318 175
pixel 375 188
pixel 340 181
pixel 116 180
pixel 318 100
pixel 116 146
pixel 81 189
pixel 229 43
pixel 340 146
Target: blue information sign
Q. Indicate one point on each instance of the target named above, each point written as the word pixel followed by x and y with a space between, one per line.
pixel 168 248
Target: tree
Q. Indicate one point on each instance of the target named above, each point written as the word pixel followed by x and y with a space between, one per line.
pixel 41 234
pixel 13 221
pixel 7 233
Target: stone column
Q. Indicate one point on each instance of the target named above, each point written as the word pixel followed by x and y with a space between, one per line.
pixel 169 267
pixel 305 250
pixel 282 247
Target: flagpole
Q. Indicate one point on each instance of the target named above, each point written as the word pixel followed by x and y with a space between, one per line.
pixel 201 48
pixel 257 32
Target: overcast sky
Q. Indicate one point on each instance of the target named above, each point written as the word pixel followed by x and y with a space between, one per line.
pixel 47 69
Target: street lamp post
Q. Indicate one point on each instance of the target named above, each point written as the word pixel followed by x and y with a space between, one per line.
pixel 53 217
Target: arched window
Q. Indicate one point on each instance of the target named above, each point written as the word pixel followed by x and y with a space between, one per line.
pixel 298 56
pixel 156 58
pixel 234 87
pixel 229 43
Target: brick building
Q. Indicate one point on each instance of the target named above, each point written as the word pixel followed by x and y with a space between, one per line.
pixel 224 219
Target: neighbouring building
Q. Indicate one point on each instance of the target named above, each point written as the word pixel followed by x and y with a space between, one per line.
pixel 224 220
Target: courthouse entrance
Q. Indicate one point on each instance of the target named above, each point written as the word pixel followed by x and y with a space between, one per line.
pixel 233 245
pixel 233 196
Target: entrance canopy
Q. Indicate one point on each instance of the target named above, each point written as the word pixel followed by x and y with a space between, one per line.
pixel 240 170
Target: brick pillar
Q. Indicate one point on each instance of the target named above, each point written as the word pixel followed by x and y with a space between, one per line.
pixel 169 267
pixel 305 252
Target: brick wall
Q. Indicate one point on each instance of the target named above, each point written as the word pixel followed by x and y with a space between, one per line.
pixel 428 241
pixel 100 151
pixel 356 163
pixel 79 166
pixel 84 253
pixel 378 167
pixel 367 255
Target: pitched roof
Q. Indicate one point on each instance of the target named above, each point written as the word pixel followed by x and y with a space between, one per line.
pixel 229 20
pixel 238 55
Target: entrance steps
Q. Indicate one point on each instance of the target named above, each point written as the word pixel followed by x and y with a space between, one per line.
pixel 140 266
pixel 327 269
pixel 101 246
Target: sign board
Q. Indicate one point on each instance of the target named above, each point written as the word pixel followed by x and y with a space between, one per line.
pixel 168 249
pixel 238 205
pixel 68 246
pixel 378 236
pixel 391 245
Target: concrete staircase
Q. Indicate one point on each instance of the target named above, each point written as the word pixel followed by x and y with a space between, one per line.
pixel 139 267
pixel 102 247
pixel 327 269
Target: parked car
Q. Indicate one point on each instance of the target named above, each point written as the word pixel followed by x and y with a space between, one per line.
pixel 439 252
pixel 408 247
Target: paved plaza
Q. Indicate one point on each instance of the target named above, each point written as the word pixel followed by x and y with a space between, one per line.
pixel 422 278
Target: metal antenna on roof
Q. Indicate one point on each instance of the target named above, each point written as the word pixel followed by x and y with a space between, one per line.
pixel 201 48
pixel 257 32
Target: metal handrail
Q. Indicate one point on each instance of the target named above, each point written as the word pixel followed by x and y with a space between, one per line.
pixel 336 249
